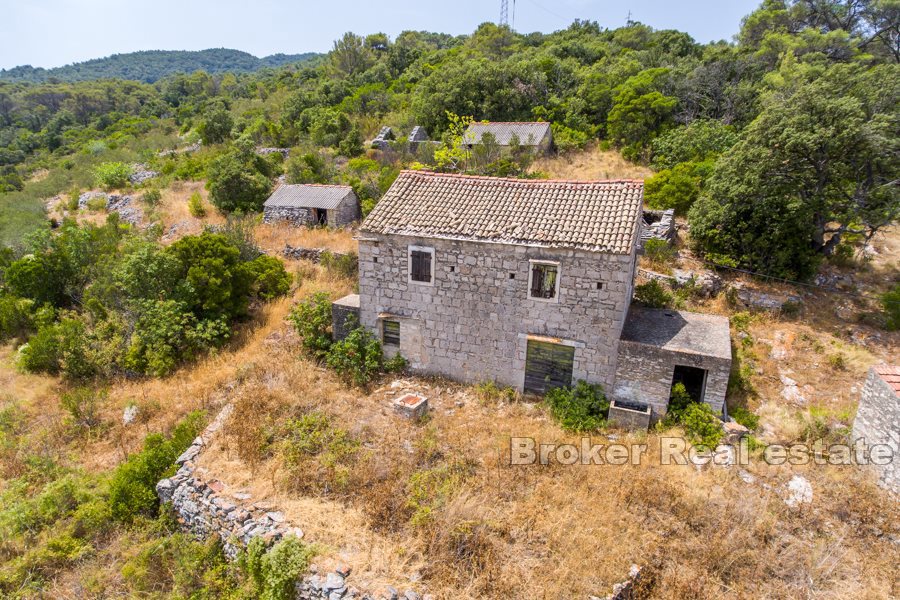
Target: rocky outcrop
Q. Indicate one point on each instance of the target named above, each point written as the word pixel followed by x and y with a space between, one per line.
pixel 140 174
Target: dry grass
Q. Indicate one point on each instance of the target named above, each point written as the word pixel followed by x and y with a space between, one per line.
pixel 591 165
pixel 274 237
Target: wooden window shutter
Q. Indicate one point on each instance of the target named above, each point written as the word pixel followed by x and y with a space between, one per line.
pixel 537 280
pixel 420 268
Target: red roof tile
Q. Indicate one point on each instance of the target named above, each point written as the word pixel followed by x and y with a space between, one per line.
pixel 890 374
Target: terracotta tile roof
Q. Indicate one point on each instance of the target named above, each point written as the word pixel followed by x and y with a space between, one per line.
pixel 308 195
pixel 600 216
pixel 890 374
pixel 529 133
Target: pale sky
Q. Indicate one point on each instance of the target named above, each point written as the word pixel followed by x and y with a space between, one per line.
pixel 51 33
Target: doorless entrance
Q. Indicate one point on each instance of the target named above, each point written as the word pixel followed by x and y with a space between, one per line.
pixel 694 380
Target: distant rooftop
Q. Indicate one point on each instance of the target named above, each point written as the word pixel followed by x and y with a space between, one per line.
pixel 890 374
pixel 308 195
pixel 600 216
pixel 529 133
pixel 679 330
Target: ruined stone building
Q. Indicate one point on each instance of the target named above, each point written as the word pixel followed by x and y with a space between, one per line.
pixel 527 283
pixel 312 204
pixel 877 420
pixel 536 135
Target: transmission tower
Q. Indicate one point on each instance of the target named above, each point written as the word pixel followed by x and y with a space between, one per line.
pixel 504 12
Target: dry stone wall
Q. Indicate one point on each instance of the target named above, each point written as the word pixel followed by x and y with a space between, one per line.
pixel 878 422
pixel 204 511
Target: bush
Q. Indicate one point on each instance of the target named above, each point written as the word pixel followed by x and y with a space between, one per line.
pixel 744 417
pixel 312 320
pixel 195 206
pixel 82 404
pixel 111 175
pixel 235 184
pixel 269 279
pixel 702 425
pixel 490 392
pixel 132 489
pixel 890 302
pixel 342 265
pixel 16 320
pixel 679 399
pixel 152 197
pixel 313 437
pixel 356 358
pixel 274 573
pixel 653 294
pixel 582 408
pixel 659 252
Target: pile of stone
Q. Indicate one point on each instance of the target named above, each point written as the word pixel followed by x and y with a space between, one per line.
pixel 86 197
pixel 310 254
pixel 333 586
pixel 140 173
pixel 658 224
pixel 186 150
pixel 761 300
pixel 128 210
pixel 706 283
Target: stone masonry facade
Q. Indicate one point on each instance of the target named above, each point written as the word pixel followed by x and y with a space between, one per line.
pixel 475 319
pixel 346 213
pixel 878 422
pixel 644 373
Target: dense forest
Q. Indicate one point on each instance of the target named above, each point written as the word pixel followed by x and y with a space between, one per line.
pixel 781 148
pixel 152 65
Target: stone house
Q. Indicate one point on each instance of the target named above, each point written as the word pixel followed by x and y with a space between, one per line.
pixel 534 135
pixel 877 420
pixel 312 204
pixel 527 283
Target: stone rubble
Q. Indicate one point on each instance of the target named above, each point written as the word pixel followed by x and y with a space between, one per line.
pixel 202 509
pixel 310 254
pixel 140 173
pixel 128 210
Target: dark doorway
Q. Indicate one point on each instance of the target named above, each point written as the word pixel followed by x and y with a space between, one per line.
pixel 320 216
pixel 694 380
pixel 547 366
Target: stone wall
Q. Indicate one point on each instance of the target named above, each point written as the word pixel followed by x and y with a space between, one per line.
pixel 644 374
pixel 473 322
pixel 201 509
pixel 658 224
pixel 347 212
pixel 290 214
pixel 626 417
pixel 878 422
pixel 310 254
pixel 344 316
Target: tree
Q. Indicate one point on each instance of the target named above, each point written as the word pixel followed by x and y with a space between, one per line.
pixel 817 164
pixel 350 55
pixel 678 187
pixel 640 112
pixel 236 184
pixel 216 125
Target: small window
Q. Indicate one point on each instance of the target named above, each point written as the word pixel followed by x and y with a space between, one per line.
pixel 390 333
pixel 512 275
pixel 375 259
pixel 452 268
pixel 420 264
pixel 599 285
pixel 544 280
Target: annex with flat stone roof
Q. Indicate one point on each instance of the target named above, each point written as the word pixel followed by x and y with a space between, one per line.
pixel 877 421
pixel 599 216
pixel 312 204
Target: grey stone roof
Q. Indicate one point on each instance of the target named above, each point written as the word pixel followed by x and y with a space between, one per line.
pixel 308 195
pixel 600 216
pixel 530 134
pixel 679 331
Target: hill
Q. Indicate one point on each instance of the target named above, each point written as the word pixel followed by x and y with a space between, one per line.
pixel 151 65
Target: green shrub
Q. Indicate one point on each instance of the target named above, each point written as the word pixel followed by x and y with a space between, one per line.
pixel 313 437
pixel 269 279
pixel 890 302
pixel 653 294
pixel 490 392
pixel 659 252
pixel 152 197
pixel 312 320
pixel 59 348
pixel 111 175
pixel 132 489
pixel 679 399
pixel 16 318
pixel 195 206
pixel 582 408
pixel 82 404
pixel 744 417
pixel 342 265
pixel 274 573
pixel 395 364
pixel 356 358
pixel 702 425
pixel 175 565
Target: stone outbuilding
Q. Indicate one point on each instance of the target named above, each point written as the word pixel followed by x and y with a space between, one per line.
pixel 659 348
pixel 534 135
pixel 312 204
pixel 877 420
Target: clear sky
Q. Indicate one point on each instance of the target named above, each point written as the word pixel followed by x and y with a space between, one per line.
pixel 51 33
